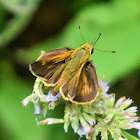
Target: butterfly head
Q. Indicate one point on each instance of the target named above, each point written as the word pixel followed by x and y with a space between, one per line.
pixel 88 47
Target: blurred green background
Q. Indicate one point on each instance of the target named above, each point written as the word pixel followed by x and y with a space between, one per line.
pixel 29 26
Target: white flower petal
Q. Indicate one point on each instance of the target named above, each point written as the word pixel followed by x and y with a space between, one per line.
pixel 119 102
pixel 27 99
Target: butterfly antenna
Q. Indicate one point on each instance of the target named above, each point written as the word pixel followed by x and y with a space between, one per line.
pixel 81 33
pixel 105 51
pixel 94 42
pixel 96 39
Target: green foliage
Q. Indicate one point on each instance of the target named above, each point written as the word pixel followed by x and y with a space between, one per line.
pixel 120 30
pixel 22 12
pixel 128 136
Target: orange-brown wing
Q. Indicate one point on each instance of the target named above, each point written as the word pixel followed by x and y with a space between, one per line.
pixel 49 65
pixel 51 53
pixel 83 91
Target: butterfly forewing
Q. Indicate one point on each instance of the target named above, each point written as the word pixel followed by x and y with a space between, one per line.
pixel 45 68
pixel 51 53
pixel 45 71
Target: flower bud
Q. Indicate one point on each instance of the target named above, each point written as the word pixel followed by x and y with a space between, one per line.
pixel 51 105
pixel 126 103
pixel 88 118
pixel 27 99
pixel 132 109
pixel 109 102
pixel 81 131
pixel 75 124
pixel 51 121
pixel 73 115
pixel 66 125
pixel 35 99
pixel 119 102
pixel 109 117
pixel 37 108
pixel 84 124
pixel 45 109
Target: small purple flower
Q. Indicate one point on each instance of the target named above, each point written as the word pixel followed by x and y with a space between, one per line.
pixel 47 121
pixel 85 124
pixel 50 98
pixel 52 121
pixel 35 99
pixel 126 103
pixel 103 85
pixel 98 102
pixel 136 125
pixel 44 110
pixel 128 125
pixel 81 130
pixel 27 99
pixel 51 105
pixel 120 110
pixel 109 101
pixel 37 108
pixel 89 118
pixel 73 115
pixel 139 133
pixel 119 102
pixel 36 118
pixel 132 109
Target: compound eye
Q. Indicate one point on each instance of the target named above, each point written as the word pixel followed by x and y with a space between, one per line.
pixel 92 51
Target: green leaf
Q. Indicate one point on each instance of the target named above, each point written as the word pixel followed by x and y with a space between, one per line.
pixel 129 136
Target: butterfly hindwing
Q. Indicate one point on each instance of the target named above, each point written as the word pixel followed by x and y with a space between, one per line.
pixel 85 89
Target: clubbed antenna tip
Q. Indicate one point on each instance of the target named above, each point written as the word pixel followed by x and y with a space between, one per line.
pixel 81 33
pixel 113 51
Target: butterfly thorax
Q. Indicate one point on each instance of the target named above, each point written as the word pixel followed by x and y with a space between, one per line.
pixel 87 47
pixel 76 60
pixel 73 65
